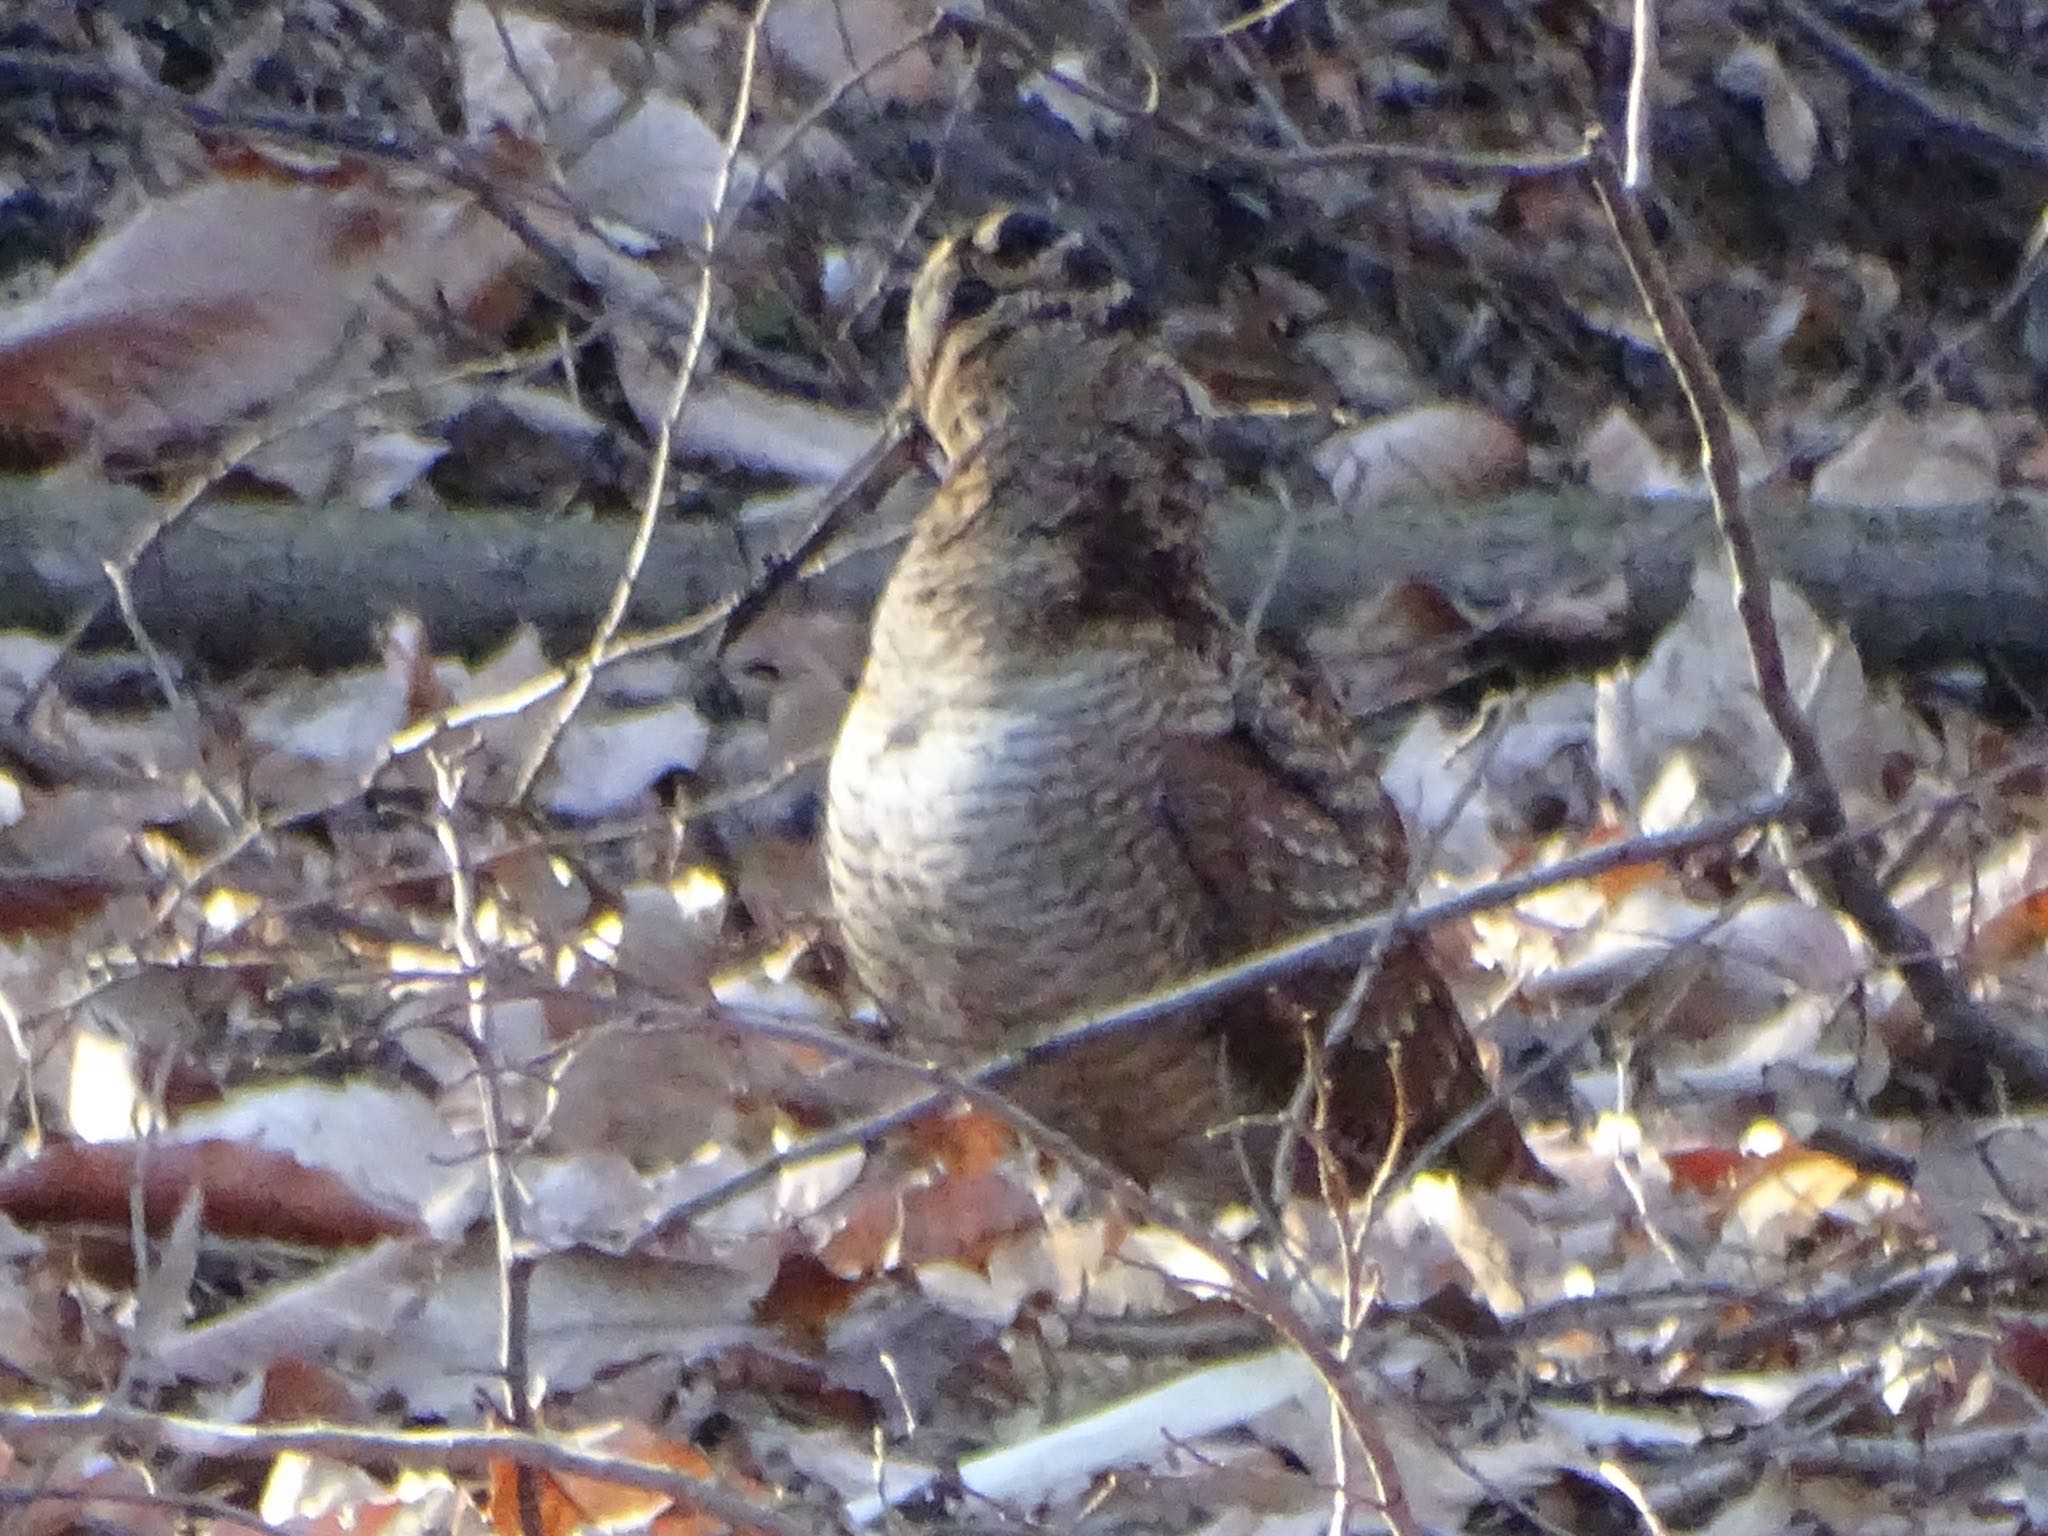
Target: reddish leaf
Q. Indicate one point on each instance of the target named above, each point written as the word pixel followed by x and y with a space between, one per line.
pixel 2023 1350
pixel 2011 934
pixel 1702 1170
pixel 961 1218
pixel 573 1502
pixel 35 906
pixel 805 1297
pixel 963 1141
pixel 298 1391
pixel 250 1192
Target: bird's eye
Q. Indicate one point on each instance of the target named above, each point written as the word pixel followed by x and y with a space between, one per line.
pixel 1085 266
pixel 1018 236
pixel 971 296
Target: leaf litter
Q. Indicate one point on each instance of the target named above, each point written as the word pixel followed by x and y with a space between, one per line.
pixel 259 959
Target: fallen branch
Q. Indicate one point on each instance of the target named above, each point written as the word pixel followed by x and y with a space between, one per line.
pixel 233 585
pixel 453 1450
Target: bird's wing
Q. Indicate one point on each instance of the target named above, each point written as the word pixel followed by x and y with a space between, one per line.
pixel 1288 831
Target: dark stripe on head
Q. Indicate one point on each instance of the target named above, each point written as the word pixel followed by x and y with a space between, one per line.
pixel 1018 236
pixel 971 296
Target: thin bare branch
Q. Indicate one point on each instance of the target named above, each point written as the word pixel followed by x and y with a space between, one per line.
pixel 1323 944
pixel 1983 1060
pixel 445 1449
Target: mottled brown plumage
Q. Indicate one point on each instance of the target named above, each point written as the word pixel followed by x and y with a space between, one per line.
pixel 1068 778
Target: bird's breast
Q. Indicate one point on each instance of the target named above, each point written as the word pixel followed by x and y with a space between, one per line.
pixel 997 849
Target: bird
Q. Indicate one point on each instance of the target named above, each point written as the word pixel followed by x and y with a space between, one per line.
pixel 1068 777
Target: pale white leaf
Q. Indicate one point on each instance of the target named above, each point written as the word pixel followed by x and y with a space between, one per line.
pixel 388 1145
pixel 1442 450
pixel 605 765
pixel 1136 1431
pixel 1948 457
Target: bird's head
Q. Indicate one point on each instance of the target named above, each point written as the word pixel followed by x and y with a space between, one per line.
pixel 1008 317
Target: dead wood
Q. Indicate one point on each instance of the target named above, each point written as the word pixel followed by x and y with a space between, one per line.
pixel 241 584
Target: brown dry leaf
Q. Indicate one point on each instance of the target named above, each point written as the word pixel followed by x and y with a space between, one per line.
pixel 1691 706
pixel 1783 1196
pixel 1704 1170
pixel 1619 882
pixel 629 152
pixel 668 934
pixel 299 1390
pixel 315 1496
pixel 2023 1351
pixel 544 889
pixel 222 299
pixel 1442 450
pixel 1430 776
pixel 346 458
pixel 807 1297
pixel 781 881
pixel 964 1218
pixel 40 906
pixel 317 740
pixel 387 1144
pixel 1619 457
pixel 656 1096
pixel 969 1203
pixel 1698 972
pixel 1403 644
pixel 42 1338
pixel 247 1192
pixel 597 1200
pixel 1372 372
pixel 2008 935
pixel 967 1141
pixel 1476 800
pixel 1946 458
pixel 202 305
pixel 1970 1181
pixel 864 1242
pixel 573 1503
pixel 356 1512
pixel 95 1491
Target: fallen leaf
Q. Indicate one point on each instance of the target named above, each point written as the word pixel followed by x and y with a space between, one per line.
pixel 1946 458
pixel 246 1192
pixel 1442 450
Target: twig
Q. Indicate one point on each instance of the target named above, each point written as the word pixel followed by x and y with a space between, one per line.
pixel 2006 138
pixel 1983 1053
pixel 584 673
pixel 887 459
pixel 1343 938
pixel 1642 73
pixel 515 1261
pixel 445 1449
pixel 1416 157
pixel 1244 1283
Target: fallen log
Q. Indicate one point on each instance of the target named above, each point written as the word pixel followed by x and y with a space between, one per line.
pixel 237 584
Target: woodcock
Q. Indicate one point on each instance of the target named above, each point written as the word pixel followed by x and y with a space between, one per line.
pixel 1068 777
